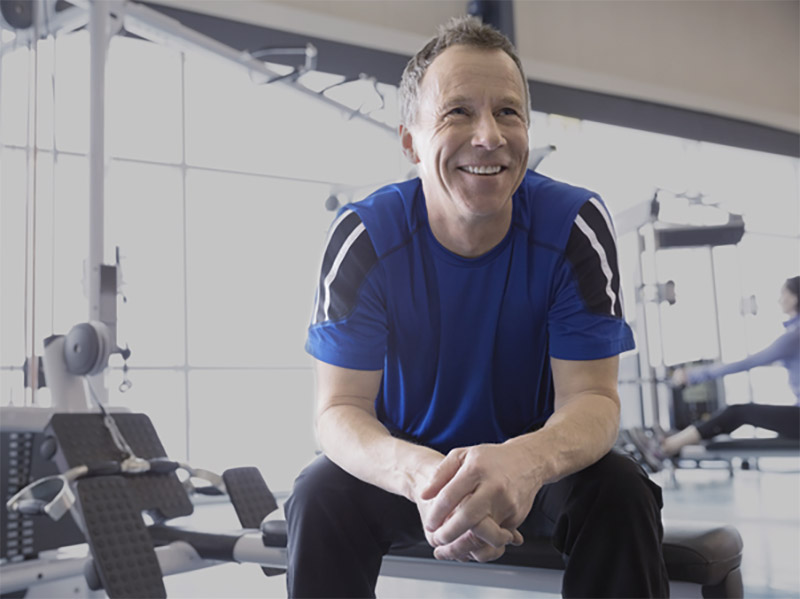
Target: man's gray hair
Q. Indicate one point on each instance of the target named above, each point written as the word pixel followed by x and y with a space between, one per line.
pixel 465 31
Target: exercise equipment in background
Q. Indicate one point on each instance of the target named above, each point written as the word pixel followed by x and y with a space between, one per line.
pixel 667 223
pixel 128 557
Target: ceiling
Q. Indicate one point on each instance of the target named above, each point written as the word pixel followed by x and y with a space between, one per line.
pixel 736 59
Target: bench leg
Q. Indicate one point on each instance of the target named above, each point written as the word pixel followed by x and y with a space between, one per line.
pixel 731 587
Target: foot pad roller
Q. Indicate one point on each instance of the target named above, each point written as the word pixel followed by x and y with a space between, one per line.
pixel 252 500
pixel 124 557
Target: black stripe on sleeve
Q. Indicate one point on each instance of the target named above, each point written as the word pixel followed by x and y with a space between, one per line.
pixel 348 258
pixel 593 258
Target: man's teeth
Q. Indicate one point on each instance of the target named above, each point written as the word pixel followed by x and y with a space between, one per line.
pixel 482 170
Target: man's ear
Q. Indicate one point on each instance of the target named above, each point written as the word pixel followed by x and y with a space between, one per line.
pixel 407 141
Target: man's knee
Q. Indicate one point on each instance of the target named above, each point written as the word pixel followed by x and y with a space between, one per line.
pixel 321 487
pixel 621 489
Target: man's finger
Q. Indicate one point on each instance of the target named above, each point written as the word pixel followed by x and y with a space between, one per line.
pixel 463 516
pixel 518 538
pixel 445 471
pixel 460 549
pixel 448 520
pixel 491 533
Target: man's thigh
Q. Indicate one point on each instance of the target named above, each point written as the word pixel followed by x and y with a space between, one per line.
pixel 328 496
pixel 615 478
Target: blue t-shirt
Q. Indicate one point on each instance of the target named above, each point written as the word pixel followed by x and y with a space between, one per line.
pixel 464 343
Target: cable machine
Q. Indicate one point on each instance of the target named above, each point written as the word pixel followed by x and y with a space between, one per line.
pixel 674 221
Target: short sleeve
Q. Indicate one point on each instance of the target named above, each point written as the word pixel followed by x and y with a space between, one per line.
pixel 585 319
pixel 348 326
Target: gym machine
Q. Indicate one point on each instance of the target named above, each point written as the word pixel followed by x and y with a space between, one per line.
pixel 111 474
pixel 654 226
pixel 79 481
pixel 671 221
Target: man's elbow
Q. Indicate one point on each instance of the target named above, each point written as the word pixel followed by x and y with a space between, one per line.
pixel 613 412
pixel 334 413
pixel 323 416
pixel 606 417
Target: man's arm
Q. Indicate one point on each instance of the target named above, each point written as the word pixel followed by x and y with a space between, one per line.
pixel 350 434
pixel 585 424
pixel 353 438
pixel 501 481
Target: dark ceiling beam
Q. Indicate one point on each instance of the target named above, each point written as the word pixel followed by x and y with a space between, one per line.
pixel 350 60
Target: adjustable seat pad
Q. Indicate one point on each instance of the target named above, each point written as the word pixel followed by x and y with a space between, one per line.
pixel 773 443
pixel 696 552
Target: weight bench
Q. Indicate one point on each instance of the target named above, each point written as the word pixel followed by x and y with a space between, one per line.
pixel 130 559
pixel 726 449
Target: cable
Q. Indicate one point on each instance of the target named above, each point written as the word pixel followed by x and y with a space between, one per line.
pixel 53 184
pixel 111 425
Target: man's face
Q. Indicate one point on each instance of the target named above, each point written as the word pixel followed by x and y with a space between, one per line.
pixel 470 135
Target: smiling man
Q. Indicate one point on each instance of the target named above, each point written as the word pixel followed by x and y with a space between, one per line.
pixel 466 331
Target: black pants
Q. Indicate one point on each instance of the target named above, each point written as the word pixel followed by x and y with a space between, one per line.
pixel 605 521
pixel 784 420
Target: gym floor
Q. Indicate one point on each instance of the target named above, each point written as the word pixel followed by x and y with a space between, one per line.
pixel 763 504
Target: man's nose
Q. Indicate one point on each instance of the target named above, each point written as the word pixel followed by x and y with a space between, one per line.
pixel 487 133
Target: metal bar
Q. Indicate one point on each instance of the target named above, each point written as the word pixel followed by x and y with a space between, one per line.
pixel 64 21
pixel 157 27
pixel 175 558
pixel 17 577
pixel 99 23
pixel 99 20
pixel 178 557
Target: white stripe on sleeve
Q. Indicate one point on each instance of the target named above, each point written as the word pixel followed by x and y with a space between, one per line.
pixel 601 253
pixel 336 263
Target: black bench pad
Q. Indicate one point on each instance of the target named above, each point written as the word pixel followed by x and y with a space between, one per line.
pixel 694 552
pixel 700 552
pixel 774 443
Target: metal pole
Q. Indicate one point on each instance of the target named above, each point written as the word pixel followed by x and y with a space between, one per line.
pixel 154 26
pixel 99 20
pixel 717 324
pixel 98 42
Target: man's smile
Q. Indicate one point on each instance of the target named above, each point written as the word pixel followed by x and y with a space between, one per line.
pixel 482 169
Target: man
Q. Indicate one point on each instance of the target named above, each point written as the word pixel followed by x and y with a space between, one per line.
pixel 466 330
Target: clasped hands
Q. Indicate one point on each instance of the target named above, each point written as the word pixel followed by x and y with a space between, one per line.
pixel 474 502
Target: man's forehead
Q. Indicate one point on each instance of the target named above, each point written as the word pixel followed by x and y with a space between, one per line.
pixel 463 55
pixel 458 67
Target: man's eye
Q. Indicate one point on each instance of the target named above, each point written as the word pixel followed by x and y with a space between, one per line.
pixel 508 112
pixel 457 111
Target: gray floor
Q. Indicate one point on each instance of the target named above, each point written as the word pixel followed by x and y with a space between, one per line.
pixel 764 505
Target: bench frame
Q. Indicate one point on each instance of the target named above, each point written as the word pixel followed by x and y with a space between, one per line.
pixel 708 556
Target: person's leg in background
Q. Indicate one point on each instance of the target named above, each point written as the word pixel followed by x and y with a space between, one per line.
pixel 606 522
pixel 784 420
pixel 339 528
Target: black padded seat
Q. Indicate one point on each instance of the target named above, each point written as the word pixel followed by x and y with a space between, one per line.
pixel 697 552
pixel 745 445
pixel 726 448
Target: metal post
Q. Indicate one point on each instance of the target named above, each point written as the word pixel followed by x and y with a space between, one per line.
pixel 99 20
pixel 717 324
pixel 645 276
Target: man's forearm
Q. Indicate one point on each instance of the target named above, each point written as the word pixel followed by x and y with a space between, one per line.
pixel 576 436
pixel 358 443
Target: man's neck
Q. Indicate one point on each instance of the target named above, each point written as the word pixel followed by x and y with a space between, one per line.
pixel 470 238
